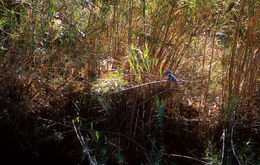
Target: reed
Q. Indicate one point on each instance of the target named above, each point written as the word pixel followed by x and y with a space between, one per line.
pixel 104 63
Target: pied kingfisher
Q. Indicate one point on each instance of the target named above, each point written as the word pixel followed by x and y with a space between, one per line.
pixel 171 76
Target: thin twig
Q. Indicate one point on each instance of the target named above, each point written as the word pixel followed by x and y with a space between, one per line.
pixel 232 144
pixel 137 86
pixel 187 157
pixel 223 146
pixel 75 129
pixel 9 33
pixel 55 122
pixel 81 140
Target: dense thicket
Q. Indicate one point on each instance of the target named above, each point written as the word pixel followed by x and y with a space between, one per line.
pixel 85 81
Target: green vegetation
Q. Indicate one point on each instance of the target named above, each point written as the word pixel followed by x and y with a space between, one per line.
pixel 85 81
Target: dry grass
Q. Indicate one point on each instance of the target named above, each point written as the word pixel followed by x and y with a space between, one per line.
pixel 102 64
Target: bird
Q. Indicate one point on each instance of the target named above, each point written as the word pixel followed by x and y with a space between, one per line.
pixel 171 76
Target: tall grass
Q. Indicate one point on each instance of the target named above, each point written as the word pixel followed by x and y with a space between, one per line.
pixel 71 60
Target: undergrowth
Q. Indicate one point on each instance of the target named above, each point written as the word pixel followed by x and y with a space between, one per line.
pixel 86 80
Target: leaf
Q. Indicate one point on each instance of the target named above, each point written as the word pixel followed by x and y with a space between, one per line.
pixel 91 126
pixel 97 135
pixel 77 119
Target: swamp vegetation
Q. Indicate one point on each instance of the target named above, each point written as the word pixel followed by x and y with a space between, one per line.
pixel 84 82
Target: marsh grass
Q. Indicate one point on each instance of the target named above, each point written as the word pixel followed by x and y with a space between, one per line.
pixel 70 61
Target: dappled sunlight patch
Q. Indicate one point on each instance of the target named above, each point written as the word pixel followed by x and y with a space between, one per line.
pixel 109 82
